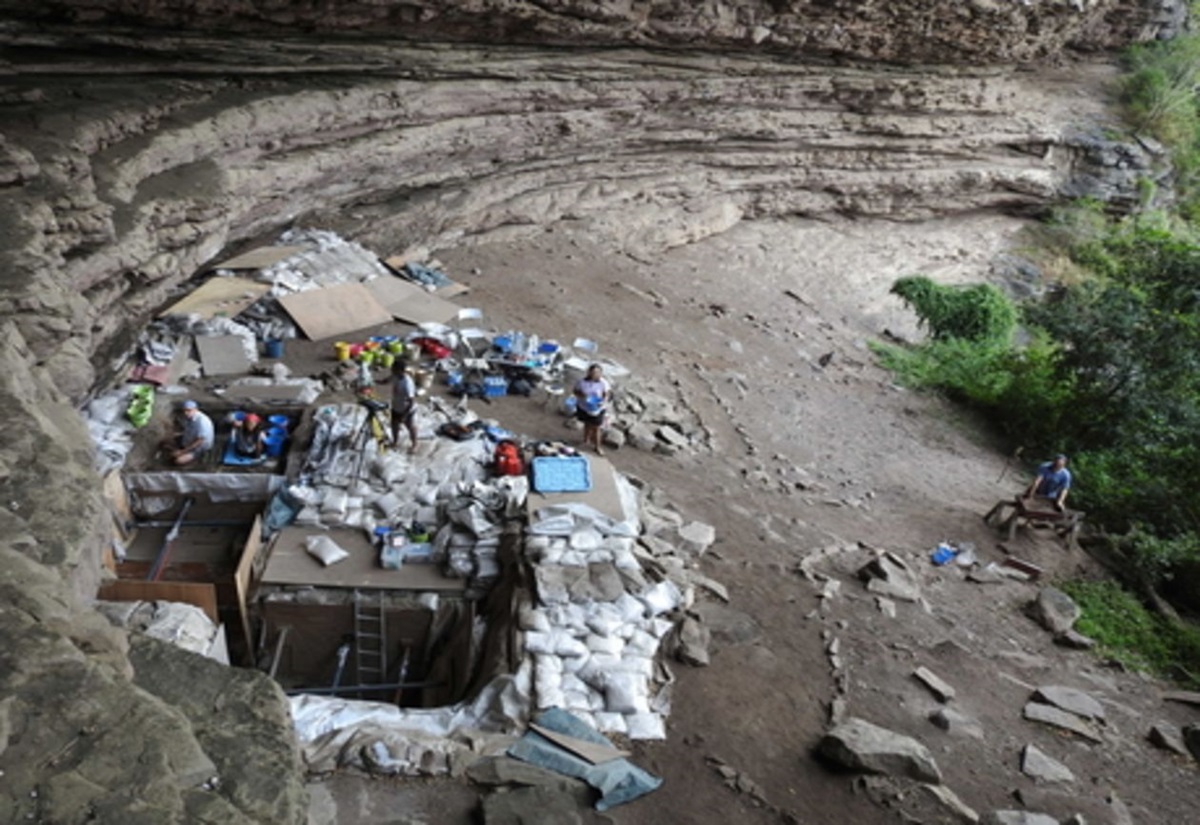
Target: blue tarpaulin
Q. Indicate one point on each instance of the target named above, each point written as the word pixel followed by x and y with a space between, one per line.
pixel 619 780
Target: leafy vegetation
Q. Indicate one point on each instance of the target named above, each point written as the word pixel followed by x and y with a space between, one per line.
pixel 976 313
pixel 1130 634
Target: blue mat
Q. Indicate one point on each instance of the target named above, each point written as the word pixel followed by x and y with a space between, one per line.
pixel 231 456
pixel 562 474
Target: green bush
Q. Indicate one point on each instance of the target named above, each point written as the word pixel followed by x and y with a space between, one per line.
pixel 975 313
pixel 1127 632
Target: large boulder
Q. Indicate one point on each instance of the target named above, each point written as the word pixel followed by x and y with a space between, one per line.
pixel 858 745
pixel 1054 610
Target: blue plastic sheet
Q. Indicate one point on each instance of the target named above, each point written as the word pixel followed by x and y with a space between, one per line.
pixel 618 781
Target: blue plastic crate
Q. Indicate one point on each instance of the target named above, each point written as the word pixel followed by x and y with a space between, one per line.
pixel 494 386
pixel 562 474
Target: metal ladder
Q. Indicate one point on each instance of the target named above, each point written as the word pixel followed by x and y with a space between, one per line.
pixel 370 638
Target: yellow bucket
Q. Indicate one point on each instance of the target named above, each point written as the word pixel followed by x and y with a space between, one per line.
pixel 341 351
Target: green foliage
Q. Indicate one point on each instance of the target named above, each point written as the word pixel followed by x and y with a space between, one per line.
pixel 1129 633
pixel 1157 559
pixel 975 313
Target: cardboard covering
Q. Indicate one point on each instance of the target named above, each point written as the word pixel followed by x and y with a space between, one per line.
pixel 335 310
pixel 260 257
pixel 218 297
pixel 411 303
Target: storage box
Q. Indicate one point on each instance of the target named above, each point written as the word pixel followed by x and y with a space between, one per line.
pixel 495 386
pixel 391 557
pixel 562 474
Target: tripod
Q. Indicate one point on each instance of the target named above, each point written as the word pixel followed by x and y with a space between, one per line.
pixel 375 425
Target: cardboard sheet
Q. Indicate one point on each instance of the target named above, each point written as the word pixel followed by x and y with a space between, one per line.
pixel 290 563
pixel 603 496
pixel 271 393
pixel 411 303
pixel 259 258
pixel 596 754
pixel 218 297
pixel 222 355
pixel 335 310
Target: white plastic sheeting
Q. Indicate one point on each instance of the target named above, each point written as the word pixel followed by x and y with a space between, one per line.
pixel 220 487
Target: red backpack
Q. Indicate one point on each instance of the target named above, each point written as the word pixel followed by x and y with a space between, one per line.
pixel 508 461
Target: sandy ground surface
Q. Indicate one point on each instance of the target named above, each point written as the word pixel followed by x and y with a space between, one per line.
pixel 810 459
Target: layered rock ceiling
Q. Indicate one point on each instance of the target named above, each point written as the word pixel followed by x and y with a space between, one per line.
pixel 139 140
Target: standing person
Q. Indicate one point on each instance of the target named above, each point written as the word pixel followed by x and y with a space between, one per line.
pixel 1053 482
pixel 592 396
pixel 195 440
pixel 404 404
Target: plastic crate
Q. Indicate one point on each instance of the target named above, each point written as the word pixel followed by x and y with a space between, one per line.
pixel 495 386
pixel 562 474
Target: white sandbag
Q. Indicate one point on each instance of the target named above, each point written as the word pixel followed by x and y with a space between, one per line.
pixel 641 665
pixel 388 504
pixel 644 726
pixel 568 646
pixel 570 617
pixel 619 544
pixel 530 618
pixel 604 644
pixel 573 665
pixel 552 555
pixel 307 517
pixel 632 609
pixel 604 620
pixel 641 643
pixel 537 542
pixel 325 550
pixel 547 681
pixel 550 699
pixel 334 503
pixel 625 693
pixel 660 627
pixel 573 558
pixel 576 701
pixel 542 643
pixel 353 517
pixel 605 661
pixel 600 556
pixel 571 682
pixel 427 495
pixel 548 662
pixel 302 495
pixel 610 722
pixel 586 538
pixel 661 597
pixel 625 560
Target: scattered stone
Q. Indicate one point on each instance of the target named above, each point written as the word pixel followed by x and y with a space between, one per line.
pixel 493 771
pixel 531 806
pixel 956 724
pixel 727 624
pixel 694 639
pixel 1072 700
pixel 1043 768
pixel 1074 639
pixel 1187 697
pixel 837 710
pixel 641 437
pixel 614 438
pixel 888 575
pixel 1168 737
pixel 1014 574
pixel 1191 740
pixel 671 436
pixel 1047 714
pixel 830 589
pixel 697 536
pixel 858 745
pixel 886 606
pixel 1054 610
pixel 985 575
pixel 949 800
pixel 1017 818
pixel 936 685
pixel 1075 819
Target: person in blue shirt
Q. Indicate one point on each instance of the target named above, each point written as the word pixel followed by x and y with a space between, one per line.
pixel 1052 483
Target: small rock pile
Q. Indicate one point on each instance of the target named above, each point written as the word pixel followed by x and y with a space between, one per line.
pixel 648 420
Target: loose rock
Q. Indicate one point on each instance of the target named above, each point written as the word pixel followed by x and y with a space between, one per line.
pixel 888 575
pixel 1071 700
pixel 1043 768
pixel 1072 638
pixel 1017 818
pixel 1168 737
pixel 530 806
pixel 1054 610
pixel 1037 712
pixel 858 745
pixel 1191 740
pixel 956 724
pixel 694 639
pixel 937 687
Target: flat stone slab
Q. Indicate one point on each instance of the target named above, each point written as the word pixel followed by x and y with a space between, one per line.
pixel 1017 818
pixel 530 806
pixel 1054 610
pixel 858 745
pixel 1071 700
pixel 1043 768
pixel 1050 715
pixel 1168 737
pixel 956 724
pixel 936 685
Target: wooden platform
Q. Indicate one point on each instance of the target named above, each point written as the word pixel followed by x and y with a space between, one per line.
pixel 290 564
pixel 1010 513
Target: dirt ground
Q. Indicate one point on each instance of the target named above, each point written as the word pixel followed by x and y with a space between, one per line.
pixel 763 330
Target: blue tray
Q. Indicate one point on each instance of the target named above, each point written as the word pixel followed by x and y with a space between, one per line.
pixel 562 474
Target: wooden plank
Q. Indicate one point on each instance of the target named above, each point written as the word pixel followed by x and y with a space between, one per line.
pixel 242 577
pixel 267 393
pixel 218 297
pixel 335 310
pixel 203 596
pixel 596 754
pixel 290 563
pixel 411 303
pixel 260 257
pixel 222 355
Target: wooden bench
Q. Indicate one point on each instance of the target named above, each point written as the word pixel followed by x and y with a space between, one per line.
pixel 1009 514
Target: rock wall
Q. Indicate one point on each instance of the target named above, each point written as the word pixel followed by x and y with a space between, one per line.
pixel 129 159
pixel 908 31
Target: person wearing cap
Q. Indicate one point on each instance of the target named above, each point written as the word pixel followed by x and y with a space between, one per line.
pixel 195 440
pixel 1052 483
pixel 248 435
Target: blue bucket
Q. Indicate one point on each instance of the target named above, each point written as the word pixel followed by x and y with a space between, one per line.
pixel 274 348
pixel 274 441
pixel 279 422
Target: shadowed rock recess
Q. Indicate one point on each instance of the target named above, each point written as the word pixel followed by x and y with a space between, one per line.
pixel 139 141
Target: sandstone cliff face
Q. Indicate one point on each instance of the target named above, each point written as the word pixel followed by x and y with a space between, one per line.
pixel 123 175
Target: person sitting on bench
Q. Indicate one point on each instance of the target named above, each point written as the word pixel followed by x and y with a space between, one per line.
pixel 1052 483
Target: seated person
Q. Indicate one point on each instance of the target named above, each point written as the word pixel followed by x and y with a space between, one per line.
pixel 1052 483
pixel 196 438
pixel 248 435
